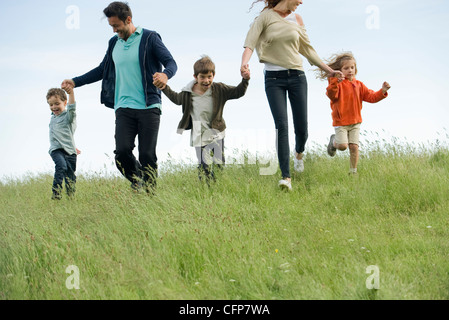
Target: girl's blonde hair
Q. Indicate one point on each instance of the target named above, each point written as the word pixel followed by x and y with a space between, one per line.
pixel 336 62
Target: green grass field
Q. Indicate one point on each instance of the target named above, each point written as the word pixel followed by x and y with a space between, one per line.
pixel 240 239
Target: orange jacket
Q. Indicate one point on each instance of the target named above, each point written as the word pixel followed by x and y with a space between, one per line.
pixel 346 100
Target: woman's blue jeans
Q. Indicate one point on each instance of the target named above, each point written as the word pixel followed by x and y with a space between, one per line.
pixel 279 85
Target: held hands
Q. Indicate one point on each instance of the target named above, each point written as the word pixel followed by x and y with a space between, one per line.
pixel 68 84
pixel 160 80
pixel 68 89
pixel 337 74
pixel 385 87
pixel 245 72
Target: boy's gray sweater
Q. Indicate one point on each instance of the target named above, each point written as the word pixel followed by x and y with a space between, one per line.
pixel 62 130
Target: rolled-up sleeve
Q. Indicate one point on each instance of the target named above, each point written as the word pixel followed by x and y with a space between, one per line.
pixel 256 29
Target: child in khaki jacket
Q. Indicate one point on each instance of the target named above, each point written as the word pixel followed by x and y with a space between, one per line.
pixel 346 97
pixel 202 103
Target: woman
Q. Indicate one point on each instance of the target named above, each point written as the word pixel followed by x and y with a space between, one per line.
pixel 279 37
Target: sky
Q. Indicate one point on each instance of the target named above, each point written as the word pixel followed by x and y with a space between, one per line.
pixel 404 42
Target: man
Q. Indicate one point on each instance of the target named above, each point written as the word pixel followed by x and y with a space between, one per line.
pixel 129 72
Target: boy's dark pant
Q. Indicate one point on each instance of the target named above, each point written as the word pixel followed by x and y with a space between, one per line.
pixel 144 124
pixel 65 168
pixel 208 155
pixel 277 85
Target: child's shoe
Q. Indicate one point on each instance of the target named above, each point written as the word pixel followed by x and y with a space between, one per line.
pixel 285 184
pixel 71 191
pixel 331 150
pixel 56 196
pixel 136 186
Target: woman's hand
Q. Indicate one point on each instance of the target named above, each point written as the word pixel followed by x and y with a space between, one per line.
pixel 245 72
pixel 337 74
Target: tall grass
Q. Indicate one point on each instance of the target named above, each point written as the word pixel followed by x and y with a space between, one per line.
pixel 240 238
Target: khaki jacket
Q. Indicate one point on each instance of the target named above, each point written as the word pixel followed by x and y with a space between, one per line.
pixel 220 94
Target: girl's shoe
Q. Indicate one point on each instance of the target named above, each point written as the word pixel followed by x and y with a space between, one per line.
pixel 331 150
pixel 285 184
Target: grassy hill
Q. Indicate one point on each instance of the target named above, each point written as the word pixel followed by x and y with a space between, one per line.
pixel 241 238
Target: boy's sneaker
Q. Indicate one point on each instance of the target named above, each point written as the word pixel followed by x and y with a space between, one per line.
pixel 285 185
pixel 331 150
pixel 298 165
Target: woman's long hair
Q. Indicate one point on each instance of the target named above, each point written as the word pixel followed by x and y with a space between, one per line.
pixel 269 4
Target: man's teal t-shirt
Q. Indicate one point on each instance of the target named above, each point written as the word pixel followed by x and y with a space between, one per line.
pixel 129 92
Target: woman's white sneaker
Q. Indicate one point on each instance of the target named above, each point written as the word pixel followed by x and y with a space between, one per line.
pixel 298 165
pixel 285 184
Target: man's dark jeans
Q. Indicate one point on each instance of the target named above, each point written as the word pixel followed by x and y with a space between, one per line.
pixel 144 124
pixel 277 85
pixel 65 168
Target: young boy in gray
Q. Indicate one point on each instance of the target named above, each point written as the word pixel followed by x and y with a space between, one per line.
pixel 62 142
pixel 202 103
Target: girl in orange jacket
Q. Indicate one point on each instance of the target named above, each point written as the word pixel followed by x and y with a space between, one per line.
pixel 346 97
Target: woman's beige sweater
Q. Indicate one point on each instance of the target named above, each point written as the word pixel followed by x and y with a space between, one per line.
pixel 280 42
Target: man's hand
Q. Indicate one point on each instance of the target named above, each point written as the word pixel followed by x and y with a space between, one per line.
pixel 68 84
pixel 160 80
